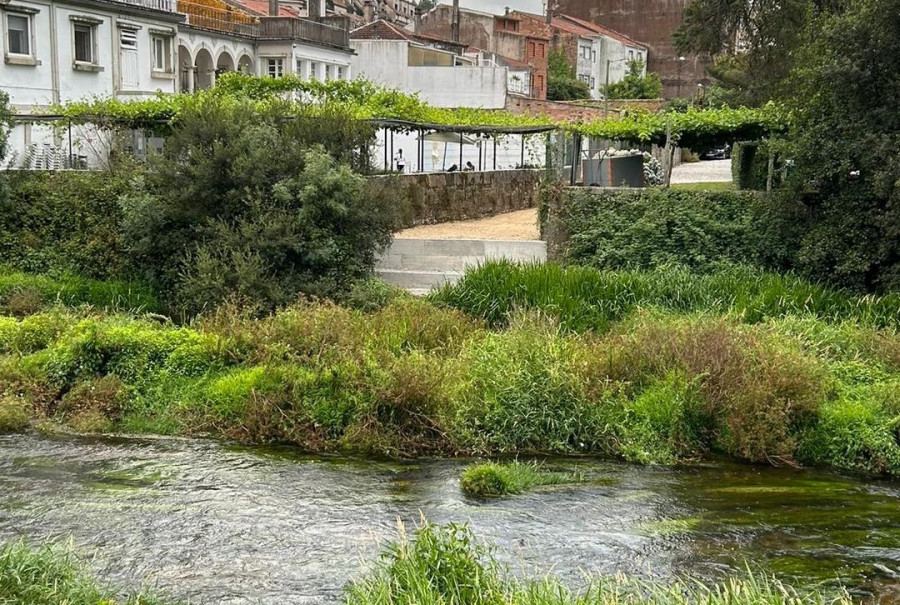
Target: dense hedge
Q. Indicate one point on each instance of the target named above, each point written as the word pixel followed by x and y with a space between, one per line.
pixel 65 221
pixel 647 228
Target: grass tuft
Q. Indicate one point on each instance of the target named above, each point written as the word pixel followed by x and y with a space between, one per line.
pixel 492 479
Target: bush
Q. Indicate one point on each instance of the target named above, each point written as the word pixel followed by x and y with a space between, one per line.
pixel 245 203
pixel 65 221
pixel 644 229
pixel 14 415
pixel 750 166
pixel 24 294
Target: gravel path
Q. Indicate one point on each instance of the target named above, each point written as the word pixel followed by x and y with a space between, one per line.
pixel 520 225
pixel 712 171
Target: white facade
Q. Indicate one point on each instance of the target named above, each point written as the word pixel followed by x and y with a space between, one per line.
pixel 608 53
pixel 442 84
pixel 58 51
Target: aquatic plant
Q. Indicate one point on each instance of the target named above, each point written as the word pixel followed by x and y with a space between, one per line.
pixel 47 575
pixel 489 479
pixel 444 565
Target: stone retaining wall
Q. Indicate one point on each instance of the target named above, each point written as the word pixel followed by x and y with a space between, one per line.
pixel 442 197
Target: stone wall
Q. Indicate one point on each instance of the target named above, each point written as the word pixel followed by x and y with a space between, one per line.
pixel 442 197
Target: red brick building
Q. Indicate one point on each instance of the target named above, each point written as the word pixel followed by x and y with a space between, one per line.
pixel 499 34
pixel 652 22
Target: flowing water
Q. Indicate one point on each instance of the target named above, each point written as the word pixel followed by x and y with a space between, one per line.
pixel 216 524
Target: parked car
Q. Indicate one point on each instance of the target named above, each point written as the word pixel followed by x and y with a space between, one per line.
pixel 720 152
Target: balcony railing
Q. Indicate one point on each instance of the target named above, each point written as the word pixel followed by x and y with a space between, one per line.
pixel 289 28
pixel 228 20
pixel 160 5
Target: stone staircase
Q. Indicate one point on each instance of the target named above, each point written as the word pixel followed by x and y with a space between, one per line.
pixel 418 265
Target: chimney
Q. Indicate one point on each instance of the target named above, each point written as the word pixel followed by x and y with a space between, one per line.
pixel 368 11
pixel 315 9
pixel 417 23
pixel 274 8
pixel 454 22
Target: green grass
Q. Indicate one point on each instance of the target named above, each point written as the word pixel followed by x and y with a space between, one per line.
pixel 582 298
pixel 628 366
pixel 447 565
pixel 24 294
pixel 46 575
pixel 717 186
pixel 491 479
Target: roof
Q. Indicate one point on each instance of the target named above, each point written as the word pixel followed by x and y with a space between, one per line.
pixel 260 8
pixel 380 30
pixel 604 31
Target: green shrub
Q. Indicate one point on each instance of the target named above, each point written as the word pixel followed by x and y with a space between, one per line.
pixel 750 165
pixel 65 221
pixel 14 414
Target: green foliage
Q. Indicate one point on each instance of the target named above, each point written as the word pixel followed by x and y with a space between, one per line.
pixel 66 221
pixel 636 84
pixel 14 414
pixel 844 141
pixel 750 165
pixel 48 575
pixel 562 85
pixel 244 203
pixel 642 229
pixel 362 100
pixel 444 565
pixel 24 294
pixel 582 298
pixel 491 479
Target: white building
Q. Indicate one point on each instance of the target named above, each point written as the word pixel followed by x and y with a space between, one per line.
pixel 57 51
pixel 436 70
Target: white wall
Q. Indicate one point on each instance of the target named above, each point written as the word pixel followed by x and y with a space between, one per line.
pixel 387 62
pixel 618 53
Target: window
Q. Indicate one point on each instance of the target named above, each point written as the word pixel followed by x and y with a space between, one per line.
pixel 541 48
pixel 340 73
pixel 18 34
pixel 128 58
pixel 299 68
pixel 313 70
pixel 593 83
pixel 327 72
pixel 84 42
pixel 275 68
pixel 631 55
pixel 594 56
pixel 162 53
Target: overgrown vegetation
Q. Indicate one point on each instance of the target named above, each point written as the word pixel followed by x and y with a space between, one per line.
pixel 437 565
pixel 54 576
pixel 651 368
pixel 447 564
pixel 491 479
pixel 562 85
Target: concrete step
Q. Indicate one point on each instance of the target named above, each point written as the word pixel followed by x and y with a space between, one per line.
pixel 417 281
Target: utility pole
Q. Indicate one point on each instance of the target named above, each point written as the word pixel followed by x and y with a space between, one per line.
pixel 454 22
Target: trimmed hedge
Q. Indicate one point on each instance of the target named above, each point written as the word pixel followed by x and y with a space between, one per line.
pixel 632 229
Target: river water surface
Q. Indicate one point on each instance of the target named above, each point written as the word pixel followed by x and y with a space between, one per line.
pixel 216 524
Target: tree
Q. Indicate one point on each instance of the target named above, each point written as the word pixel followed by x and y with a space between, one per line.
pixel 845 140
pixel 562 85
pixel 636 85
pixel 246 200
pixel 753 42
pixel 425 5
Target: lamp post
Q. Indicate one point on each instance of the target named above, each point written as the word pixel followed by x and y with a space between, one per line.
pixel 681 61
pixel 606 90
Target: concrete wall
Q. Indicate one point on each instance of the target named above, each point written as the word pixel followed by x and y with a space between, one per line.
pixel 387 62
pixel 651 22
pixel 456 196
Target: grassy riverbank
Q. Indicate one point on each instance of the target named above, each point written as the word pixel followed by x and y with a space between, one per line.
pixel 438 565
pixel 649 367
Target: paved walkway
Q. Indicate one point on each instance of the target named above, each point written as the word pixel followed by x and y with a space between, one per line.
pixel 518 226
pixel 712 171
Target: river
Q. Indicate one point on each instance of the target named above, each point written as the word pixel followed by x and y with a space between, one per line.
pixel 214 523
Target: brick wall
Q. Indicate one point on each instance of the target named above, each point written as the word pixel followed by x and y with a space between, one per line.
pixel 582 111
pixel 455 196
